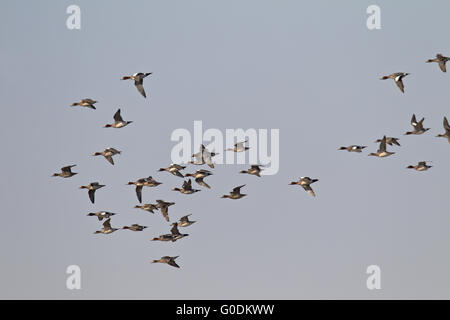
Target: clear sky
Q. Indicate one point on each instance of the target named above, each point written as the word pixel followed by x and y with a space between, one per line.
pixel 310 69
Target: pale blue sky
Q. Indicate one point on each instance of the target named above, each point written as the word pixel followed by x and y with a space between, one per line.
pixel 310 69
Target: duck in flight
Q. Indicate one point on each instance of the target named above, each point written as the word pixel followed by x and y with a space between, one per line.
pixel 390 141
pixel 164 208
pixel 101 215
pixel 144 182
pixel 168 260
pixel 305 182
pixel 108 153
pixel 239 147
pixel 88 103
pixel 134 227
pixel 138 81
pixel 199 175
pixel 398 79
pixel 164 237
pixel 254 170
pixel 186 188
pixel 421 166
pixel 446 134
pixel 417 125
pixel 107 229
pixel 118 121
pixel 235 193
pixel 92 187
pixel 353 148
pixel 147 207
pixel 185 222
pixel 66 172
pixel 174 169
pixel 204 156
pixel 176 233
pixel 382 152
pixel 441 60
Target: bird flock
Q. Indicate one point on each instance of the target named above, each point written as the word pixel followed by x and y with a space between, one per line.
pixel 205 157
pixel 418 126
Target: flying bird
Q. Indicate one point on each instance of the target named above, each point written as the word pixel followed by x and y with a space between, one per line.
pixel 107 229
pixel 176 233
pixel 138 81
pixel 66 172
pixel 239 147
pixel 147 207
pixel 174 169
pixel 390 141
pixel 108 153
pixel 382 151
pixel 398 79
pixel 204 156
pixel 417 125
pixel 89 103
pixel 235 193
pixel 144 182
pixel 134 227
pixel 118 121
pixel 101 215
pixel 199 175
pixel 446 134
pixel 421 166
pixel 185 222
pixel 92 187
pixel 254 170
pixel 353 148
pixel 441 60
pixel 305 182
pixel 168 260
pixel 164 208
pixel 186 188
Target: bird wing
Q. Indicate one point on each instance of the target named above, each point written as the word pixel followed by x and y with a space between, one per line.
pixel 413 120
pixel 67 168
pixel 117 116
pixel 237 189
pixel 165 212
pixel 91 195
pixel 382 145
pixel 399 83
pixel 110 159
pixel 173 263
pixel 442 66
pixel 107 224
pixel 139 85
pixel 446 125
pixel 139 193
pixel 185 218
pixel 309 190
pixel 202 183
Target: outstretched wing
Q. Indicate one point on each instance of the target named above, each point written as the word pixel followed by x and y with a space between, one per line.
pixel 67 168
pixel 117 116
pixel 139 85
pixel 110 159
pixel 92 195
pixel 399 82
pixel 446 125
pixel 309 190
pixel 237 189
pixel 202 183
pixel 139 193
pixel 382 145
